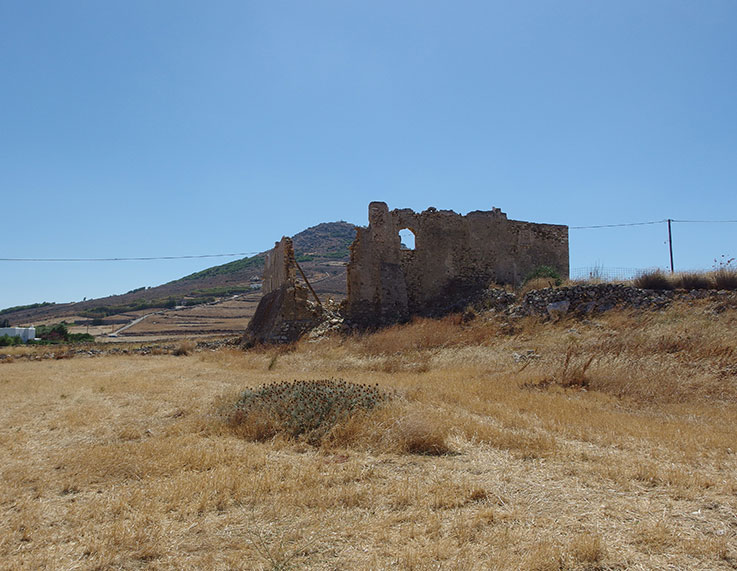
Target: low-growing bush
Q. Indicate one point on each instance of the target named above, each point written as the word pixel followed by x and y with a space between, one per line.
pixel 8 341
pixel 537 283
pixel 183 349
pixel 399 427
pixel 544 272
pixel 655 279
pixel 57 332
pixel 693 280
pixel 308 409
pixel 80 338
pixel 725 278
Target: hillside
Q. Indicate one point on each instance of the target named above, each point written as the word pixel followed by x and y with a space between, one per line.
pixel 326 241
pixel 322 251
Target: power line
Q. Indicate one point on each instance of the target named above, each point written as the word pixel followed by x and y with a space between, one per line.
pixel 668 221
pixel 653 222
pixel 707 221
pixel 142 259
pixel 617 225
pixel 191 257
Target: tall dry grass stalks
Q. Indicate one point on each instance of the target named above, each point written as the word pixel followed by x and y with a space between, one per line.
pixel 606 443
pixel 722 278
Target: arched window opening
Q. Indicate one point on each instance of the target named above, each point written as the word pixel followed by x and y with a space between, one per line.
pixel 407 238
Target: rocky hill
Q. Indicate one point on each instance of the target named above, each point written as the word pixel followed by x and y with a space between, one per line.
pixel 321 250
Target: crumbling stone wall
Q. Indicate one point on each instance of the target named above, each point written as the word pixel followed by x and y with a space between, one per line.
pixel 279 266
pixel 284 312
pixel 455 258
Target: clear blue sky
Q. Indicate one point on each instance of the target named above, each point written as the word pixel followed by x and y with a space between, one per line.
pixel 164 128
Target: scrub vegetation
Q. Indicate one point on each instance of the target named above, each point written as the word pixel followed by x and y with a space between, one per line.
pixel 722 277
pixel 24 307
pixel 606 443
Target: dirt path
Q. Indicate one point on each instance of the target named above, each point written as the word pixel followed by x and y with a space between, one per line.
pixel 134 322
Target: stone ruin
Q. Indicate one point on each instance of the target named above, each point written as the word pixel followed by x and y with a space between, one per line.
pixel 455 259
pixel 285 311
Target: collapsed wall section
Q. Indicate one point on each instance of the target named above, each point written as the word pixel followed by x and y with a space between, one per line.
pixel 284 312
pixel 455 257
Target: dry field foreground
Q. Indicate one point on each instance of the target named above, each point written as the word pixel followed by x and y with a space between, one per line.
pixel 604 444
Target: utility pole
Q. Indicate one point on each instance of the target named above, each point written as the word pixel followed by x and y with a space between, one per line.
pixel 670 245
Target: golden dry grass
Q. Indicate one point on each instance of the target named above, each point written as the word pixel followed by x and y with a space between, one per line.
pixel 604 444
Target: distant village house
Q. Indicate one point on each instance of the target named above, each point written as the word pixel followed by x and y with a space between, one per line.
pixel 25 333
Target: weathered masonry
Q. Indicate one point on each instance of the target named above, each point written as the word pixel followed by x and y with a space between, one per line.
pixel 285 311
pixel 454 258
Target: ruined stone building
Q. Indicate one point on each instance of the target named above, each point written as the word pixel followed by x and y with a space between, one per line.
pixel 455 258
pixel 285 311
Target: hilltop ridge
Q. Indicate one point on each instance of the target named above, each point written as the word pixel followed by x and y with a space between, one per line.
pixel 322 251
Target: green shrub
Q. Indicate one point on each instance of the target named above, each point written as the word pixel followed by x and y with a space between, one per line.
pixel 198 301
pixel 80 338
pixel 57 332
pixel 655 279
pixel 8 341
pixel 301 408
pixel 544 272
pixel 336 254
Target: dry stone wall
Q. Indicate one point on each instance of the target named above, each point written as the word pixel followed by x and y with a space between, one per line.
pixel 588 299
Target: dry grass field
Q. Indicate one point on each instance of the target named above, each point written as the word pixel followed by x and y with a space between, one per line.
pixel 602 444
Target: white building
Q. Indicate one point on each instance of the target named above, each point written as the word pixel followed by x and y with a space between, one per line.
pixel 25 333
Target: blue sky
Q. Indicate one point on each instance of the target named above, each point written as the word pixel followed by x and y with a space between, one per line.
pixel 170 128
